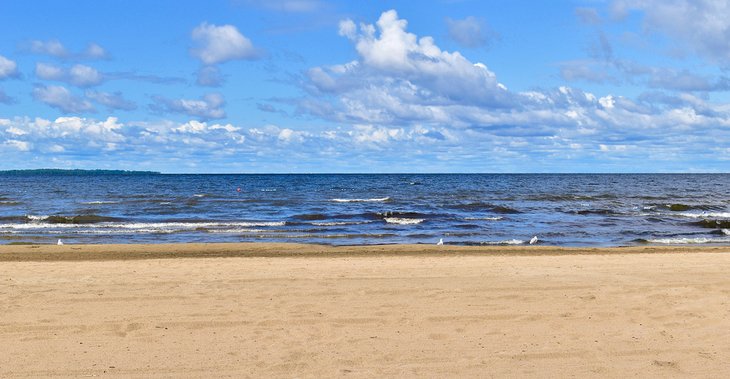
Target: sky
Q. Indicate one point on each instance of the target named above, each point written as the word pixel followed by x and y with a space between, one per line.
pixel 300 86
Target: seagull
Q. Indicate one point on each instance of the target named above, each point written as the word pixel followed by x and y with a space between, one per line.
pixel 440 242
pixel 59 243
pixel 533 240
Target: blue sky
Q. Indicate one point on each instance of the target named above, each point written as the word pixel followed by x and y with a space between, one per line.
pixel 366 86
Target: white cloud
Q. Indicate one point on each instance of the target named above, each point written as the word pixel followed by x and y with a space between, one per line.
pixel 84 76
pixel 18 145
pixel 78 75
pixel 209 106
pixel 51 47
pixel 112 101
pixel 8 68
pixel 405 90
pixel 49 72
pixel 56 49
pixel 215 44
pixel 470 32
pixel 95 51
pixel 61 98
pixel 415 67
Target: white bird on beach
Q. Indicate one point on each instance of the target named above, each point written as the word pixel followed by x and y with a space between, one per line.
pixel 440 242
pixel 533 240
pixel 59 243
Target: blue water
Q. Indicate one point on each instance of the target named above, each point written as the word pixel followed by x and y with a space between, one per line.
pixel 474 209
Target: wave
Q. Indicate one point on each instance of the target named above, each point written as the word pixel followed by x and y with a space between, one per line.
pixel 480 206
pixel 725 215
pixel 505 242
pixel 403 221
pixel 340 223
pixel 571 197
pixel 380 199
pixel 713 224
pixel 311 217
pixel 603 212
pixel 141 226
pixel 686 241
pixel 80 219
pixel 496 218
pixel 98 202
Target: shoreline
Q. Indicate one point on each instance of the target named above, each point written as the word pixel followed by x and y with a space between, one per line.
pixel 111 252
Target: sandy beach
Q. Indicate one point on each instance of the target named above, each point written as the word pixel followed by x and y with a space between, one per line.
pixel 284 310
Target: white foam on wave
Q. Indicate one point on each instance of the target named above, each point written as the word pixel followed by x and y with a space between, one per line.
pixel 686 241
pixel 726 232
pixel 701 214
pixel 199 195
pixel 496 218
pixel 36 218
pixel 505 242
pixel 140 227
pixel 99 202
pixel 403 221
pixel 268 190
pixel 339 223
pixel 380 199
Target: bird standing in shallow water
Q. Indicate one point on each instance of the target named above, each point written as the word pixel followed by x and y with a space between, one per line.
pixel 440 242
pixel 533 240
pixel 59 243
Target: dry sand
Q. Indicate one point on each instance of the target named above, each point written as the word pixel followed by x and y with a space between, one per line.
pixel 273 310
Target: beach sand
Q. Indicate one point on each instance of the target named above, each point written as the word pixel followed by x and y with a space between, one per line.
pixel 280 310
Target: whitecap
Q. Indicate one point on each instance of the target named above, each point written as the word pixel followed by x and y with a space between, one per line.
pixel 702 214
pixel 141 226
pixel 726 232
pixel 380 199
pixel 36 218
pixel 496 218
pixel 403 221
pixel 99 202
pixel 505 242
pixel 684 241
pixel 339 223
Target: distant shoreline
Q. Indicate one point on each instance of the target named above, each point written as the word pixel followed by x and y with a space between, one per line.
pixel 58 171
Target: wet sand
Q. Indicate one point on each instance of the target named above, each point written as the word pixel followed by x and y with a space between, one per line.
pixel 280 310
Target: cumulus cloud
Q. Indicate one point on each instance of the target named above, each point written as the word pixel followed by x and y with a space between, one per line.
pixel 401 84
pixel 8 68
pixel 61 98
pixel 78 75
pixel 208 107
pixel 216 44
pixel 393 58
pixel 113 101
pixel 56 49
pixel 470 32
